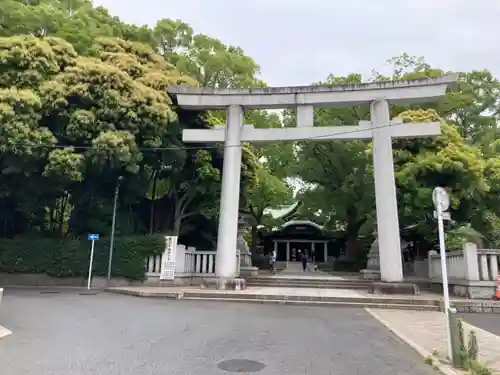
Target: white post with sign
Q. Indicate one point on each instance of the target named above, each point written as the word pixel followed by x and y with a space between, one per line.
pixel 92 237
pixel 167 271
pixel 441 201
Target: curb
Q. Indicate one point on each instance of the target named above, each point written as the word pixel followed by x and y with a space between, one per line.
pixel 270 299
pixel 441 367
pixel 4 332
pixel 134 293
pixel 283 297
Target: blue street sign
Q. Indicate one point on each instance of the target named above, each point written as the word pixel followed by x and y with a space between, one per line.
pixel 93 237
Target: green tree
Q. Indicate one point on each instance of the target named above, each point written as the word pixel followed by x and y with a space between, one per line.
pixel 103 112
pixel 337 177
pixel 267 191
pixel 76 21
pixel 448 161
pixel 473 104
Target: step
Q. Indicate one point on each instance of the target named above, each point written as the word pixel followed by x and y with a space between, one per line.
pixel 208 294
pixel 308 281
pixel 319 283
pixel 313 286
pixel 322 303
pixel 305 298
pixel 297 282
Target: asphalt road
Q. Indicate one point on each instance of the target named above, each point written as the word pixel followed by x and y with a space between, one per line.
pixel 488 322
pixel 71 334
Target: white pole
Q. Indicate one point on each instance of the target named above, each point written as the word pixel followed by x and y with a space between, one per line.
pixel 444 274
pixel 113 227
pixel 90 265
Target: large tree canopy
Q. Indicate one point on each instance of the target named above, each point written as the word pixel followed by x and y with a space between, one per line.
pixel 76 123
pixel 85 110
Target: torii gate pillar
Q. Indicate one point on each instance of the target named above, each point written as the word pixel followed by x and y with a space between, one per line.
pixel 227 235
pixel 391 267
pixel 305 98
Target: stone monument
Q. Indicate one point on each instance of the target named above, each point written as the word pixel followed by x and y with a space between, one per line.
pixel 372 271
pixel 246 268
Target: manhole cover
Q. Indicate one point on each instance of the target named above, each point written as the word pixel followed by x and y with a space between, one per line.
pixel 241 365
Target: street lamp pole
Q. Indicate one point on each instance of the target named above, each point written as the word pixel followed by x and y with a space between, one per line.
pixel 113 225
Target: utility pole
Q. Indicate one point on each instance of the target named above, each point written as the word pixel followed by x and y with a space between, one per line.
pixel 113 226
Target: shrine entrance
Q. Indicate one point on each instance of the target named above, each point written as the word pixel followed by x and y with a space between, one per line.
pixel 380 130
pixel 298 237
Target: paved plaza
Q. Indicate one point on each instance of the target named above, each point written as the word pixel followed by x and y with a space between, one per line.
pixel 71 334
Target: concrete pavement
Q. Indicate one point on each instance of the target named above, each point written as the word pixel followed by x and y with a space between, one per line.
pixel 425 331
pixel 72 334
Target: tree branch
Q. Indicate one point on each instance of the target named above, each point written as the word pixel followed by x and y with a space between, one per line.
pixel 186 215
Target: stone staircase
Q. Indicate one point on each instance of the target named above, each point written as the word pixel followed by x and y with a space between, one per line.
pixel 295 287
pixel 294 277
pixel 394 303
pixel 308 281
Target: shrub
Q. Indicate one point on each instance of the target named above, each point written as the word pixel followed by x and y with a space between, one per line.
pixel 70 257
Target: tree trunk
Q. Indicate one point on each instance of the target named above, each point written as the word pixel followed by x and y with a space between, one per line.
pixel 352 232
pixel 177 226
pixel 351 246
pixel 152 209
pixel 62 216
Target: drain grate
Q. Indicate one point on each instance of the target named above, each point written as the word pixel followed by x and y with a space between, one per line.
pixel 49 292
pixel 241 365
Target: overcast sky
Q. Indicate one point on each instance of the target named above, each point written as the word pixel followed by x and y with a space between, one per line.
pixel 297 42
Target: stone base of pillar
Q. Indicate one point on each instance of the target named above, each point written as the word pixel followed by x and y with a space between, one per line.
pixel 249 271
pixel 222 283
pixel 380 287
pixel 370 274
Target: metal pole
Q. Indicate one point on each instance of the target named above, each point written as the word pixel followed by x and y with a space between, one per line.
pixel 113 225
pixel 444 274
pixel 90 265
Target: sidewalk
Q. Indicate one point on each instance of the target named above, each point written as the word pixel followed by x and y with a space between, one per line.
pixel 425 331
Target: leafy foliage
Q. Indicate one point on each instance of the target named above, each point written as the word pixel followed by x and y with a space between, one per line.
pixel 84 107
pixel 69 257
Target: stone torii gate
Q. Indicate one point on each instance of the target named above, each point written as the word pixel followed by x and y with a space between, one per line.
pixel 381 130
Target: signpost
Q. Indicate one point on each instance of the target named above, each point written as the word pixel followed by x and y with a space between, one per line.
pixel 441 201
pixel 167 271
pixel 92 237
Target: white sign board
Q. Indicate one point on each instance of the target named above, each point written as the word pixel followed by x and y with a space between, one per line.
pixel 440 196
pixel 168 259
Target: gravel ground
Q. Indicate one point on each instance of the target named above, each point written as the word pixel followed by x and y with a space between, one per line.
pixel 71 334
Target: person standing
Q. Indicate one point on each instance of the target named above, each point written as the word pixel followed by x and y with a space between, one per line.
pixel 272 262
pixel 304 261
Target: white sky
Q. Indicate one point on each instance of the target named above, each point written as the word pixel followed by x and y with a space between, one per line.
pixel 301 41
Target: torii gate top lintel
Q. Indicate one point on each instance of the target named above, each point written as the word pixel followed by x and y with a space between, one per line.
pixel 409 91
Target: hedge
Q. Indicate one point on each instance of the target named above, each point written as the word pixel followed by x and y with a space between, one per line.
pixel 70 257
